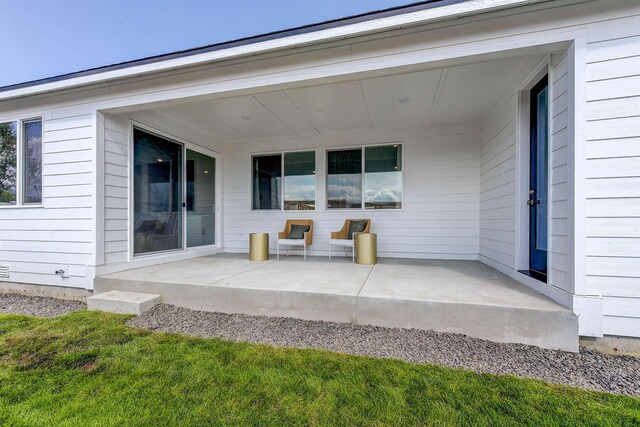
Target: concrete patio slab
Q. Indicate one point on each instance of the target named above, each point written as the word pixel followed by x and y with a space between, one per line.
pixel 315 275
pixel 194 271
pixel 469 282
pixel 451 296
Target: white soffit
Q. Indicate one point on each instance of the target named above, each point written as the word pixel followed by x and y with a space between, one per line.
pixel 455 95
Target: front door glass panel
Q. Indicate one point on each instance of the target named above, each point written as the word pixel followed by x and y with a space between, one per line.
pixel 539 179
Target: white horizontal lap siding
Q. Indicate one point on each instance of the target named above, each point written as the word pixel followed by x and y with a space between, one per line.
pixel 37 241
pixel 116 190
pixel 498 184
pixel 558 267
pixel 440 214
pixel 613 176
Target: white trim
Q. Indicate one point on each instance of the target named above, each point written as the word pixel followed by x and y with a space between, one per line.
pixel 523 156
pixel 452 11
pixel 22 164
pixel 576 164
pixel 99 189
pixel 522 178
pixel 589 310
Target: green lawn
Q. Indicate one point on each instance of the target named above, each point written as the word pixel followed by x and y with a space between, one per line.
pixel 89 368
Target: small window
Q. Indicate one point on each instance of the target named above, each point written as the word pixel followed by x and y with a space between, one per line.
pixel 284 181
pixel 267 181
pixel 300 181
pixel 8 163
pixel 372 182
pixel 344 179
pixel 383 177
pixel 32 163
pixel 21 164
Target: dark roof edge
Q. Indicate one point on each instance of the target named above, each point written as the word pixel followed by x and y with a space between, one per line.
pixel 333 23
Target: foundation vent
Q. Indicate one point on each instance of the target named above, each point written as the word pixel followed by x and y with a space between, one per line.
pixel 4 271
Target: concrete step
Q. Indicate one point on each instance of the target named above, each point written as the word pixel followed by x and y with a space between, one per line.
pixel 122 302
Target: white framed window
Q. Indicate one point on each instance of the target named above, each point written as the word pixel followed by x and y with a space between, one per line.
pixel 21 162
pixel 284 181
pixel 368 177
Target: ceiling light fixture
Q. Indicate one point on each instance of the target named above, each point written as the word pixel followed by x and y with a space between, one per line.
pixel 404 99
pixel 245 117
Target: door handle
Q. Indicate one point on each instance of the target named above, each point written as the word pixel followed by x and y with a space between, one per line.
pixel 533 202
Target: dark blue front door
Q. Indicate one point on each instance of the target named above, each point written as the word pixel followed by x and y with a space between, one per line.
pixel 539 179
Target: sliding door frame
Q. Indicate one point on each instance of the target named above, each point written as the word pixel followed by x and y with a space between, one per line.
pixel 185 145
pixel 217 242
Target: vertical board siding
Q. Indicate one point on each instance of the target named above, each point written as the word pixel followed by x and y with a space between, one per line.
pixel 116 190
pixel 37 241
pixel 440 214
pixel 613 178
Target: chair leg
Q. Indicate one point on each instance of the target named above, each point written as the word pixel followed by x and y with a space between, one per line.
pixel 304 250
pixel 329 252
pixel 278 251
pixel 353 253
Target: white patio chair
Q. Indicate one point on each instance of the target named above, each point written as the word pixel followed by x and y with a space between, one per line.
pixel 345 236
pixel 284 237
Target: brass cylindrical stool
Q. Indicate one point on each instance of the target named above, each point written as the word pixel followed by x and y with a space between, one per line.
pixel 366 248
pixel 259 247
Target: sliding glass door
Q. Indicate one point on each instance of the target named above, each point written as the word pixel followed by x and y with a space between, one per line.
pixel 173 195
pixel 157 194
pixel 201 199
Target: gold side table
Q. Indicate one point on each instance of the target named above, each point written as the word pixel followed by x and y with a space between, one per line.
pixel 259 247
pixel 366 248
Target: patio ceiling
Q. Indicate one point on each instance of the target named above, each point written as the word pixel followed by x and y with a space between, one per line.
pixel 455 95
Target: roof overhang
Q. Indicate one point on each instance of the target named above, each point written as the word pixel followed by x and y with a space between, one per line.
pixel 305 36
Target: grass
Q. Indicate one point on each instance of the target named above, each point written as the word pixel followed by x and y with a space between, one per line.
pixel 90 369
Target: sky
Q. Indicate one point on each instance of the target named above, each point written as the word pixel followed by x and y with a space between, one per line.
pixel 45 38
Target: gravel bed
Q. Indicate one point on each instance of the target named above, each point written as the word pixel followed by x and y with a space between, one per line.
pixel 37 306
pixel 589 369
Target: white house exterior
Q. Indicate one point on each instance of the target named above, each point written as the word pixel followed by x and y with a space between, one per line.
pixel 449 83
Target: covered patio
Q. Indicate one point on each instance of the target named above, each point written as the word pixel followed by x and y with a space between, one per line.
pixel 465 297
pixel 432 153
